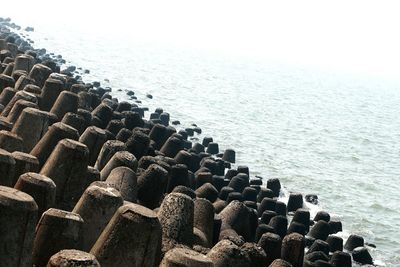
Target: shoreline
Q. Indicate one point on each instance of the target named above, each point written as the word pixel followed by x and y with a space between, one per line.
pixel 163 119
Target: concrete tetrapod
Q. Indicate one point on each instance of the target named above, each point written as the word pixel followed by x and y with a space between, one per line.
pixel 24 95
pixel 131 238
pixel 24 163
pixel 40 73
pixel 176 218
pixel 237 217
pixel 185 257
pixel 56 230
pixel 226 253
pixel 258 257
pixel 108 150
pixel 67 167
pixel 94 138
pixel 7 168
pixel 50 91
pixel 17 109
pixel 96 206
pixel 18 216
pixel 120 158
pixel 73 258
pixel 10 142
pixel 76 121
pixel 204 218
pixel 56 132
pixel 24 62
pixel 124 180
pixel 293 249
pixel 151 186
pixel 66 102
pixel 40 187
pixel 31 126
pixel 280 263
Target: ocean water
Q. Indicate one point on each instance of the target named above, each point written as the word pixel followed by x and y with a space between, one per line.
pixel 329 133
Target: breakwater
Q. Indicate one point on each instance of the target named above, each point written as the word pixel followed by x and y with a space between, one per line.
pixel 157 161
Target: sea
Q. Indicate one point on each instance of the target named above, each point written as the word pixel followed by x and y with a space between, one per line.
pixel 330 133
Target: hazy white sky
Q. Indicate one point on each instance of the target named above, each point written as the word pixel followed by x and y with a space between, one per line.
pixel 359 36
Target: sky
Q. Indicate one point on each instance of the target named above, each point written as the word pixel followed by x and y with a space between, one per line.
pixel 354 36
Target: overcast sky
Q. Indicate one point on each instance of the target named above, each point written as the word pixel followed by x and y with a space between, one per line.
pixel 357 36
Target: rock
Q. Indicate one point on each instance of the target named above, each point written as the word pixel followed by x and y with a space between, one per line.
pixel 207 140
pixel 312 198
pixel 266 204
pixel 185 190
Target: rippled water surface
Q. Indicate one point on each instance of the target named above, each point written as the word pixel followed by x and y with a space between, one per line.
pixel 320 132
